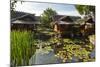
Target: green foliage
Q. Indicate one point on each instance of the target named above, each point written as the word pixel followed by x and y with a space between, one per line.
pixel 22 47
pixel 48 49
pixel 72 49
pixel 85 9
pixel 13 4
pixel 92 39
pixel 47 17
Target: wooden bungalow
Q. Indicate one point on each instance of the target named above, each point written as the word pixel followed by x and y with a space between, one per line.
pixel 89 25
pixel 69 25
pixel 23 21
pixel 65 24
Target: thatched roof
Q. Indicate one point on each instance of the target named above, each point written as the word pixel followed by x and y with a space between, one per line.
pixel 25 22
pixel 15 15
pixel 67 20
pixel 24 18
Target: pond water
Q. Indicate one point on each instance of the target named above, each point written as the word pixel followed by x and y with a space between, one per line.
pixel 42 56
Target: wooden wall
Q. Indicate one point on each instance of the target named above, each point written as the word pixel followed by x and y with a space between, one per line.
pixel 75 29
pixel 22 27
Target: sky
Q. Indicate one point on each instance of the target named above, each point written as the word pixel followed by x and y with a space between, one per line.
pixel 38 8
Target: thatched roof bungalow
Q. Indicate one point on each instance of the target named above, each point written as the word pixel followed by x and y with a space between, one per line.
pixel 65 23
pixel 22 20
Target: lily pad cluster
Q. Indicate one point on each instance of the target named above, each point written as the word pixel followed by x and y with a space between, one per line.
pixel 72 49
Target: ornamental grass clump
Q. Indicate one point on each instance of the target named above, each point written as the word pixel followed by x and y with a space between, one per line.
pixel 22 47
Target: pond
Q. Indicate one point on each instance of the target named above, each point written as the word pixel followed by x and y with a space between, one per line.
pixel 42 56
pixel 48 54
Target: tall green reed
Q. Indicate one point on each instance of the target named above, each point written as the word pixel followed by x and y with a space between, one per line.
pixel 22 47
